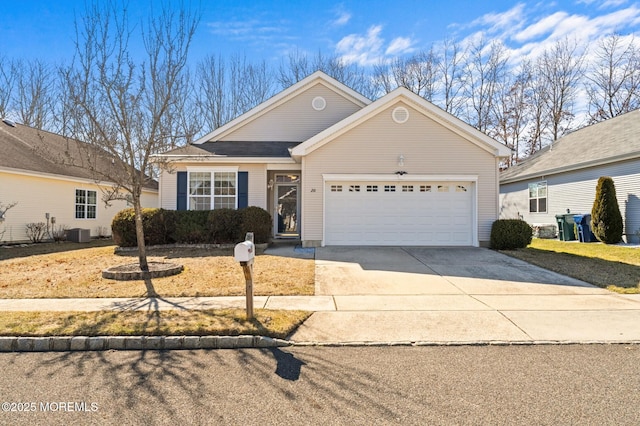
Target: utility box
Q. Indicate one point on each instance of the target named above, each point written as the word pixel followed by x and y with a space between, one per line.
pixel 78 235
pixel 244 252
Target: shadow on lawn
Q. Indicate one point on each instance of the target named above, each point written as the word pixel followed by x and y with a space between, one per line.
pixel 599 272
pixel 25 250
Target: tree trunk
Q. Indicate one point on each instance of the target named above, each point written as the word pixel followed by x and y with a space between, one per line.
pixel 142 249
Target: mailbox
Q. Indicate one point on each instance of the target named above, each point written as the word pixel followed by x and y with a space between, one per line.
pixel 244 252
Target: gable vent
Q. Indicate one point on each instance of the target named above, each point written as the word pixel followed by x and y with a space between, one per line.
pixel 318 103
pixel 400 115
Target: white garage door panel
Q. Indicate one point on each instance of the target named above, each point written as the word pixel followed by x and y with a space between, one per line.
pixel 425 213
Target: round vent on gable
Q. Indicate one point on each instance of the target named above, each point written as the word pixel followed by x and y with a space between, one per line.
pixel 318 103
pixel 400 115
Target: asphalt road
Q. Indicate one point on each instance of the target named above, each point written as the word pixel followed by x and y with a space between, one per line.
pixel 578 384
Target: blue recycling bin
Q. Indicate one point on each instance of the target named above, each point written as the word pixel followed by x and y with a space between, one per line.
pixel 583 228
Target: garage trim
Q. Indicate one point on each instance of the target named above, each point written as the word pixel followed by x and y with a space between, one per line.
pixel 403 178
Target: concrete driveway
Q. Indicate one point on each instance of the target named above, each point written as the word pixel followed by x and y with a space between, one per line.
pixel 426 294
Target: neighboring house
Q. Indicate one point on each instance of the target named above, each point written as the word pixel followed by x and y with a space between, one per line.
pixel 334 168
pixel 564 175
pixel 36 173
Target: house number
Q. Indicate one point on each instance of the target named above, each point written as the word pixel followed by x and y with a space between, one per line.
pixel 313 190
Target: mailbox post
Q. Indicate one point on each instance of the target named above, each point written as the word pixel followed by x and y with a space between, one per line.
pixel 244 253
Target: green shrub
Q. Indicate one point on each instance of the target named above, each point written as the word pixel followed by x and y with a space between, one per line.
pixel 606 220
pixel 224 226
pixel 191 227
pixel 258 221
pixel 509 234
pixel 123 228
pixel 218 226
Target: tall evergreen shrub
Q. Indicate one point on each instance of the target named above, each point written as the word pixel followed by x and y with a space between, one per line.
pixel 606 220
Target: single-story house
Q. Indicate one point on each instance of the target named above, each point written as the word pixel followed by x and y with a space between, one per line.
pixel 564 175
pixel 334 168
pixel 36 175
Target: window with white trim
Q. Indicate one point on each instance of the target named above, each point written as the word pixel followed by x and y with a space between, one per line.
pixel 86 204
pixel 212 190
pixel 538 197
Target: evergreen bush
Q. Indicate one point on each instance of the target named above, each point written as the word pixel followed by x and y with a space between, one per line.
pixel 224 226
pixel 220 226
pixel 510 234
pixel 191 227
pixel 606 220
pixel 258 221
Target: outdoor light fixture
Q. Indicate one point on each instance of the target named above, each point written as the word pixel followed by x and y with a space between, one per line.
pixel 270 184
pixel 401 160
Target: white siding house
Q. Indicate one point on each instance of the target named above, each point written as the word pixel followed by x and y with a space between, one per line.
pixel 334 168
pixel 564 175
pixel 34 177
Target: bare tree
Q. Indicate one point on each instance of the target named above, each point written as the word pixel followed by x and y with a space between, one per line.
pixel 513 110
pixel 124 109
pixel 485 70
pixel 418 73
pixel 613 83
pixel 34 95
pixel 561 69
pixel 7 82
pixel 452 73
pixel 298 66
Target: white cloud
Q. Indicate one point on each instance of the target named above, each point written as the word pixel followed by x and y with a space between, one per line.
pixel 505 21
pixel 368 49
pixel 543 26
pixel 398 46
pixel 342 19
pixel 361 49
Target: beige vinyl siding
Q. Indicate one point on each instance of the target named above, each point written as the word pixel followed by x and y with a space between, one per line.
pixel 576 191
pixel 296 120
pixel 374 146
pixel 257 182
pixel 37 195
pixel 169 188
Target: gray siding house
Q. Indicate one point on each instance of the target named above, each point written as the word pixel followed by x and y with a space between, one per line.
pixel 564 175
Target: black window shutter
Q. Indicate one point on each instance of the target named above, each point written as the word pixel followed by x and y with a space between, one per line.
pixel 182 191
pixel 243 189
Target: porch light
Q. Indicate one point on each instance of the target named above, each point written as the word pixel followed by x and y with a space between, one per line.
pixel 270 184
pixel 401 160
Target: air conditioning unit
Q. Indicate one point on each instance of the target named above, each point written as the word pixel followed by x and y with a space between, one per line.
pixel 78 235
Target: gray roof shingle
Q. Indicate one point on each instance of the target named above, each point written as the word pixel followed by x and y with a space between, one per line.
pixel 237 149
pixel 605 142
pixel 25 148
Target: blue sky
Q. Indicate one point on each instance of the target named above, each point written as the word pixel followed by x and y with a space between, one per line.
pixel 363 31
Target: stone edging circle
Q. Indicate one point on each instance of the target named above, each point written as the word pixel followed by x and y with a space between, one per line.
pixel 132 271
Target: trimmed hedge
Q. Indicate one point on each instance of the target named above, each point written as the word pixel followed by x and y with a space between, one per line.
pixel 220 226
pixel 510 234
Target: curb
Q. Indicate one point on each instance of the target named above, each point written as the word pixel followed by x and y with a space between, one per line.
pixel 104 343
pixel 468 343
pixel 137 343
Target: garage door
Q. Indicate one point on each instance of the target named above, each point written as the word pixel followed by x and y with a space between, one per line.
pixel 392 213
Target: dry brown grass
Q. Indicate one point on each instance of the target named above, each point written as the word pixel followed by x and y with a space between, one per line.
pixel 228 322
pixel 48 271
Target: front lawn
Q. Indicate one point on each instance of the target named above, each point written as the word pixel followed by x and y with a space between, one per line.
pixel 62 271
pixel 613 267
pixel 225 322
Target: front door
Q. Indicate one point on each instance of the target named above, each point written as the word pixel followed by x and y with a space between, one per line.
pixel 287 215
